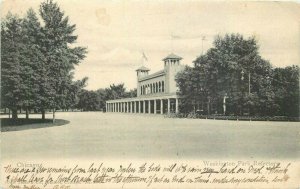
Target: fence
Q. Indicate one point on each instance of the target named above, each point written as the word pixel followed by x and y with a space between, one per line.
pixel 232 117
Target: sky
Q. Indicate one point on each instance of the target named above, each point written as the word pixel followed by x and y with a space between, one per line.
pixel 117 33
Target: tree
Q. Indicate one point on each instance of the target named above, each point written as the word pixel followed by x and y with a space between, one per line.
pixel 192 88
pixel 231 71
pixel 60 57
pixel 286 87
pixel 12 58
pixel 33 71
pixel 88 101
pixel 72 93
pixel 102 96
pixel 131 93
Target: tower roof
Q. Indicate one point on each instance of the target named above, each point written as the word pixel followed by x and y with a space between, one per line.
pixel 142 68
pixel 172 56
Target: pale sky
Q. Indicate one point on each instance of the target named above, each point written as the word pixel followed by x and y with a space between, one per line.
pixel 117 32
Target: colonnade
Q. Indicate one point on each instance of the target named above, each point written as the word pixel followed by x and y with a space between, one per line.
pixel 150 106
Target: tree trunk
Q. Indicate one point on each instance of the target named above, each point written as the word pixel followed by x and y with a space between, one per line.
pixel 53 120
pixel 43 114
pixel 27 113
pixel 14 113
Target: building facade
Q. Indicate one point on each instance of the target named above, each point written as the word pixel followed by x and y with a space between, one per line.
pixel 156 93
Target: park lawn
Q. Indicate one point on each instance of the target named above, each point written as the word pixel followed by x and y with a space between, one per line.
pixel 8 124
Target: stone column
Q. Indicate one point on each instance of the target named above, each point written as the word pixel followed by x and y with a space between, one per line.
pixel 161 106
pixel 139 106
pixel 144 106
pixel 155 106
pixel 127 107
pixel 134 106
pixel 176 106
pixel 168 105
pixel 149 107
pixel 124 106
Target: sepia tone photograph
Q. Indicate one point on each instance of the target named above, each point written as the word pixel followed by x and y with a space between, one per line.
pixel 211 83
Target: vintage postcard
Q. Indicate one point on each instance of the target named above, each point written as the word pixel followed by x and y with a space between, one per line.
pixel 149 94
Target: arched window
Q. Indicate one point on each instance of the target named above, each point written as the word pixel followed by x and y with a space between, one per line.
pixel 150 88
pixel 156 87
pixel 141 92
pixel 159 87
pixel 163 86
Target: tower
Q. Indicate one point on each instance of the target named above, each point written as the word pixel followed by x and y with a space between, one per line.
pixel 141 72
pixel 172 66
pixel 172 60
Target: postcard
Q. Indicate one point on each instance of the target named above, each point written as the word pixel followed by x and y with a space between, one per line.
pixel 149 94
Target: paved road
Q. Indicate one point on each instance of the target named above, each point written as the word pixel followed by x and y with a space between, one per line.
pixel 114 135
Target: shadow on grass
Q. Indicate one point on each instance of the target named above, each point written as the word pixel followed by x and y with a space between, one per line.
pixel 8 125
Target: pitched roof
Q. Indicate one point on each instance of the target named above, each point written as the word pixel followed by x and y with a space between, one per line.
pixel 142 68
pixel 173 56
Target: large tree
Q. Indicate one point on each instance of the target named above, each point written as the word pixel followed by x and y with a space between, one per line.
pixel 34 71
pixel 231 76
pixel 12 60
pixel 60 55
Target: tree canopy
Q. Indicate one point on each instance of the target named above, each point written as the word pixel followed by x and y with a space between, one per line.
pixel 231 78
pixel 38 58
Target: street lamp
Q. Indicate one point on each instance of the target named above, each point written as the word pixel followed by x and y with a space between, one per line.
pixel 249 85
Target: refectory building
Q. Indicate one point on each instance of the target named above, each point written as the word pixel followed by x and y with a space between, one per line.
pixel 156 93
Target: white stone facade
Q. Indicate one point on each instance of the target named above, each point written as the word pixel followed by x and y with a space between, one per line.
pixel 156 93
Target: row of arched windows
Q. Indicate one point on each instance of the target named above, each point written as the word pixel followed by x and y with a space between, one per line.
pixel 156 87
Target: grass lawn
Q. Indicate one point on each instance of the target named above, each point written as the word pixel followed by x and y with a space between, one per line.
pixel 32 123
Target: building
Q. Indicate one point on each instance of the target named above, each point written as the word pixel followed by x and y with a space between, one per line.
pixel 156 93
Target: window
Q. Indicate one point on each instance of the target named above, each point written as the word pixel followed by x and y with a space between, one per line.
pixel 159 87
pixel 163 86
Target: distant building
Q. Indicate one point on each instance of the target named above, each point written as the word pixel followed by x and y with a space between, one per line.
pixel 156 93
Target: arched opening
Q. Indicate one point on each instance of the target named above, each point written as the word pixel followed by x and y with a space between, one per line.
pixel 159 87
